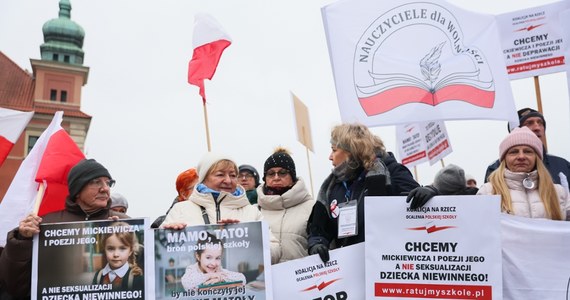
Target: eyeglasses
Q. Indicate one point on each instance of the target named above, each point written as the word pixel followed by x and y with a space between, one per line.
pixel 245 176
pixel 281 173
pixel 99 183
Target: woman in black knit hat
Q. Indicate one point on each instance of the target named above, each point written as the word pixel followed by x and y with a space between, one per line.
pixel 285 203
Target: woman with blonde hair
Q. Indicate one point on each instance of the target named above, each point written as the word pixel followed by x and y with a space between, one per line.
pixel 523 182
pixel 362 167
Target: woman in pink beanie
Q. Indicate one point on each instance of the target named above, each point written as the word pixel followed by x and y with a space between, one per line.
pixel 523 182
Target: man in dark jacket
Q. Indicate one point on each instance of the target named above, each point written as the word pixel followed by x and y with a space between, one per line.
pixel 89 185
pixel 555 165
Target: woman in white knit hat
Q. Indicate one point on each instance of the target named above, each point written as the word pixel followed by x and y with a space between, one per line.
pixel 216 199
pixel 523 182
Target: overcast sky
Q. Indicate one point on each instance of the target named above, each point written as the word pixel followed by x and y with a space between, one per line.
pixel 148 122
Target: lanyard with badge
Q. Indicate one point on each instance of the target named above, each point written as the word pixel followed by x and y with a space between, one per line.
pixel 347 215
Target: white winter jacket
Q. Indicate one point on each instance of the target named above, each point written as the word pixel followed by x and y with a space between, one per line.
pixel 526 202
pixel 228 206
pixel 287 215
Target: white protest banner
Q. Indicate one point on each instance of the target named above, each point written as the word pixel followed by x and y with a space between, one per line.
pixel 411 144
pixel 532 40
pixel 536 264
pixel 342 277
pixel 437 141
pixel 420 142
pixel 403 60
pixel 213 261
pixel 442 250
pixel 92 260
pixel 565 20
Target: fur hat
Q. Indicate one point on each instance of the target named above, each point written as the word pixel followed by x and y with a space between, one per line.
pixel 280 158
pixel 207 161
pixel 520 136
pixel 119 200
pixel 82 173
pixel 450 180
pixel 252 170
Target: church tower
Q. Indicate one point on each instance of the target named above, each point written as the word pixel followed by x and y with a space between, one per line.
pixel 54 85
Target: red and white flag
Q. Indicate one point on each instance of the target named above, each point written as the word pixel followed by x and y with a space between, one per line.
pixel 49 161
pixel 12 124
pixel 209 42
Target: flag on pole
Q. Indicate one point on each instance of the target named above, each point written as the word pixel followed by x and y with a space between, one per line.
pixel 12 124
pixel 401 61
pixel 209 42
pixel 49 161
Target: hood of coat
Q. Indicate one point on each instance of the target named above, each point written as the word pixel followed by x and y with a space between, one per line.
pixel 515 179
pixel 225 199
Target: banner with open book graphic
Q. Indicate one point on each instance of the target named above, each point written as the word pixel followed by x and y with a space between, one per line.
pixel 91 260
pixel 398 61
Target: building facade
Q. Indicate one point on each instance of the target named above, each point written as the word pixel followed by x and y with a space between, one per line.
pixel 55 84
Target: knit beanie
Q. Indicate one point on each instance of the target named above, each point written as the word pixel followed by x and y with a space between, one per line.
pixel 280 158
pixel 449 180
pixel 82 173
pixel 520 136
pixel 526 113
pixel 252 170
pixel 119 200
pixel 207 161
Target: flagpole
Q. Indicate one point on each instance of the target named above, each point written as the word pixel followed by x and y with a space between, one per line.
pixel 308 161
pixel 416 173
pixel 442 164
pixel 207 127
pixel 539 102
pixel 39 197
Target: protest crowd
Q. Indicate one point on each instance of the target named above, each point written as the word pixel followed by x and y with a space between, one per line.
pixel 220 192
pixel 301 226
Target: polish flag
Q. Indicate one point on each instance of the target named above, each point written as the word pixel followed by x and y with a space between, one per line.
pixel 209 42
pixel 12 124
pixel 49 162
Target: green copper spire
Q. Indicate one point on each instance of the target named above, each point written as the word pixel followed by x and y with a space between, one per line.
pixel 63 38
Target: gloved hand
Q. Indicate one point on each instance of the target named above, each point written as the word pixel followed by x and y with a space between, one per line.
pixel 421 195
pixel 322 250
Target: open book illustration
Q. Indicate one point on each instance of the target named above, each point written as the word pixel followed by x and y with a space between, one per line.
pixel 395 89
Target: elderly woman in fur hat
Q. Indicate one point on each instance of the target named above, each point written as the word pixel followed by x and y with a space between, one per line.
pixel 216 199
pixel 286 204
pixel 523 182
pixel 362 167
